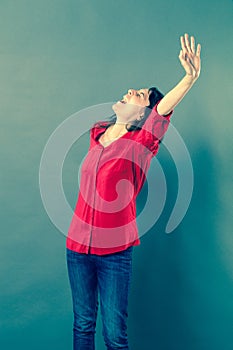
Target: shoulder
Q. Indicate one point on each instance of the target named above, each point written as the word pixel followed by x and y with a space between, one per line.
pixel 100 124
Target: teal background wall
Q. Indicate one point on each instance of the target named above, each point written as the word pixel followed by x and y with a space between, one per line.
pixel 58 57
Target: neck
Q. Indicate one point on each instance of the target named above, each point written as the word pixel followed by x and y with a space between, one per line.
pixel 117 129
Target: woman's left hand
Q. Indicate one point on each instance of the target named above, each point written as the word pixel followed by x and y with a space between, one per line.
pixel 190 59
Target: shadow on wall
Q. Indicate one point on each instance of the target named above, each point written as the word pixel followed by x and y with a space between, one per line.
pixel 181 293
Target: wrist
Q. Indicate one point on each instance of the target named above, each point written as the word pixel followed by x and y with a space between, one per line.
pixel 190 79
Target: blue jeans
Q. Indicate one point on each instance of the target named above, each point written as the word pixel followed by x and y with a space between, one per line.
pixel 110 276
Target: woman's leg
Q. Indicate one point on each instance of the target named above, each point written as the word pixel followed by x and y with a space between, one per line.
pixel 83 281
pixel 114 277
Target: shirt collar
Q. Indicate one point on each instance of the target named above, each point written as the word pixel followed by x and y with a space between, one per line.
pixel 97 130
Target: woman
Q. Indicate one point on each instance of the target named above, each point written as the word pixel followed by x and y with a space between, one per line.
pixel 103 229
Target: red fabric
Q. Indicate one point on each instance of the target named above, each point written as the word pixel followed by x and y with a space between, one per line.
pixel 104 219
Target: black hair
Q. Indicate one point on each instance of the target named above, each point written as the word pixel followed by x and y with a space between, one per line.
pixel 154 96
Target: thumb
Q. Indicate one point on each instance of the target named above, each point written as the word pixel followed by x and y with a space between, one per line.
pixel 181 57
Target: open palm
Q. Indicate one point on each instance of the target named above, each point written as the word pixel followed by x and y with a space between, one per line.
pixel 189 57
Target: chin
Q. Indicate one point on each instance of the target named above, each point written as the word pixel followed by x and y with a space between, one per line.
pixel 115 107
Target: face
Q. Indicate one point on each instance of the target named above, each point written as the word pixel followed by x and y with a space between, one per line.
pixel 133 104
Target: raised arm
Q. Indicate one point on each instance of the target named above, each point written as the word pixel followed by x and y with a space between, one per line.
pixel 191 62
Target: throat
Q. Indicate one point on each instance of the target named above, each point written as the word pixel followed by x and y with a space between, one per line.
pixel 116 130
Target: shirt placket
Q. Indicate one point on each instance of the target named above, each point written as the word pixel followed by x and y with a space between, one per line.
pixel 94 190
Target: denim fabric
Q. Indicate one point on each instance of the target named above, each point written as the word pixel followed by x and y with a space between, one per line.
pixel 104 278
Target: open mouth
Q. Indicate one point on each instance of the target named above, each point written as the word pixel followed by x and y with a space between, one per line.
pixel 123 101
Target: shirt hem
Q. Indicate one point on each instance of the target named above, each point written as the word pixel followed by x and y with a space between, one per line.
pixel 81 248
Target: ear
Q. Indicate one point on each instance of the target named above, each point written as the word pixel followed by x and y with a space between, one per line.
pixel 141 114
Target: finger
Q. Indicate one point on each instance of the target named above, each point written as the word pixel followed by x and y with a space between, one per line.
pixel 198 50
pixel 183 58
pixel 182 41
pixel 184 55
pixel 193 44
pixel 181 55
pixel 187 42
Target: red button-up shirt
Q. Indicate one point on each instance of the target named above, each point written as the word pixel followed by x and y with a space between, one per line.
pixel 104 219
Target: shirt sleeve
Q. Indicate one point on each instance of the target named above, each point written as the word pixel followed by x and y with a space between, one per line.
pixel 155 128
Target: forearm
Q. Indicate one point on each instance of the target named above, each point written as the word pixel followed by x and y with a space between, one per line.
pixel 174 96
